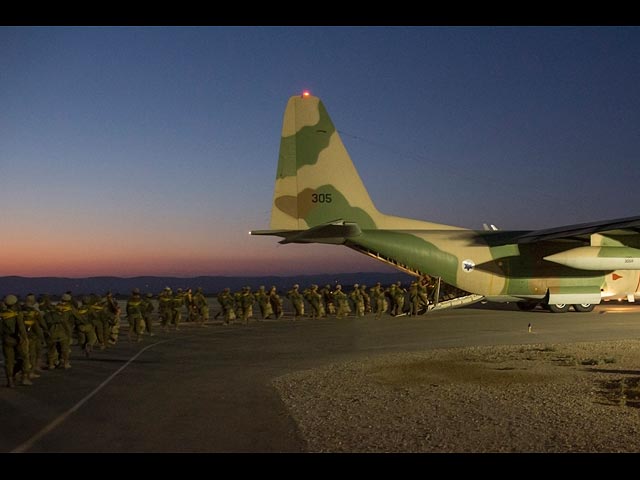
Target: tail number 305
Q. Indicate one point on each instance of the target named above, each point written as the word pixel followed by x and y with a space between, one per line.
pixel 320 198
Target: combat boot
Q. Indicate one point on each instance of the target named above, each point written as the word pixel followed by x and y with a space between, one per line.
pixel 67 366
pixel 33 375
pixel 26 381
pixel 10 382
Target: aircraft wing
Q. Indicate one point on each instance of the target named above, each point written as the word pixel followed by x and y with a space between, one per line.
pixel 580 231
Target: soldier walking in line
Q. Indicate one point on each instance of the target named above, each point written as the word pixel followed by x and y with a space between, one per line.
pixel 37 332
pixel 15 341
pixel 297 301
pixel 377 294
pixel 112 311
pixel 276 302
pixel 342 301
pixel 227 302
pixel 201 306
pixel 266 310
pixel 147 312
pixel 135 316
pixel 358 301
pixel 247 299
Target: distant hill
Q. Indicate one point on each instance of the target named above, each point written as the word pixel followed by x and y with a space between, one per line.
pixel 211 285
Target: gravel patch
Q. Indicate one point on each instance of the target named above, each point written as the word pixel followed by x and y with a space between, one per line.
pixel 580 397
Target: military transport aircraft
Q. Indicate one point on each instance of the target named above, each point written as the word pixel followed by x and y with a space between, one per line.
pixel 320 198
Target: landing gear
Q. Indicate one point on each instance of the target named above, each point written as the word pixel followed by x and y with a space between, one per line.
pixel 584 307
pixel 559 307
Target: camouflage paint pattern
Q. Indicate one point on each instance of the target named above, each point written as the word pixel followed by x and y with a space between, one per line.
pixel 317 183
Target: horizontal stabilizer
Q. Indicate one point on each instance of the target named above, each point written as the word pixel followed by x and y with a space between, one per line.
pixel 333 233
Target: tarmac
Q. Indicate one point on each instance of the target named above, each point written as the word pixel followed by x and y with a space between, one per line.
pixel 209 389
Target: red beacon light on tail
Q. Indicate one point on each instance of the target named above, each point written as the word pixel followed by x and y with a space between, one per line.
pixel 306 94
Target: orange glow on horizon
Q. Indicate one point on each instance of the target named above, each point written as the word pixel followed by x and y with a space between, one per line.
pixel 217 260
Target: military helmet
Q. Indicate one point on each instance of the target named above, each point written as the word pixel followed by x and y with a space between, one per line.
pixel 296 286
pixel 136 291
pixel 338 287
pixel 149 295
pixel 66 297
pixel 10 300
pixel 30 299
pixel 355 285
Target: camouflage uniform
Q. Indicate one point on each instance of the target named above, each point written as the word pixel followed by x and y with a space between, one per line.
pixel 247 300
pixel 422 293
pixel 263 302
pixel 112 311
pixel 390 295
pixel 15 341
pixel 192 311
pixel 358 301
pixel 165 307
pixel 343 302
pixel 99 320
pixel 297 301
pixel 201 306
pixel 414 300
pixel 227 303
pixel 276 302
pixel 398 298
pixel 135 315
pixel 176 307
pixel 327 297
pixel 84 324
pixel 365 298
pixel 315 300
pixel 58 319
pixel 377 293
pixel 147 312
pixel 36 332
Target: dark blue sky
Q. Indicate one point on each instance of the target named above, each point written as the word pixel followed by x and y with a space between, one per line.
pixel 130 150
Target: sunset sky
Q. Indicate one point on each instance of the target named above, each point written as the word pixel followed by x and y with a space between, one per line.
pixel 133 151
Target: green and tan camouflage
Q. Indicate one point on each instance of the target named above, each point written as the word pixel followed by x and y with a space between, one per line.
pixel 320 198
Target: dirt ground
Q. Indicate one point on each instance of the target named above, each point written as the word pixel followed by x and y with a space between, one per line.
pixel 579 397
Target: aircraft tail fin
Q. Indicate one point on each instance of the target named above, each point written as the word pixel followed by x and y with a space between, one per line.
pixel 316 181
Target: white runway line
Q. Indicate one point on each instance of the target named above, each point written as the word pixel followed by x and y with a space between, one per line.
pixel 60 419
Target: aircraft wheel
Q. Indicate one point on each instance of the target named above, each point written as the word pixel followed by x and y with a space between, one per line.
pixel 584 307
pixel 559 307
pixel 526 306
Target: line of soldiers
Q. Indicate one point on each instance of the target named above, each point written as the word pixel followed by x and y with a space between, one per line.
pixel 327 301
pixel 30 326
pixel 27 327
pixel 171 306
